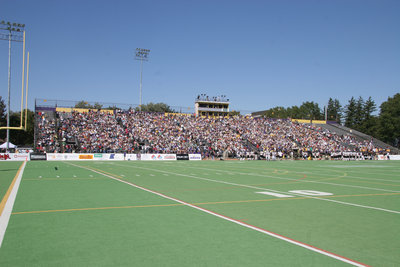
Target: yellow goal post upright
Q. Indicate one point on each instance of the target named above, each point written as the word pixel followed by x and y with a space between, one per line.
pixel 18 28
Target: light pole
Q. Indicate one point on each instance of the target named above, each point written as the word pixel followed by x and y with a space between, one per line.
pixel 16 33
pixel 141 54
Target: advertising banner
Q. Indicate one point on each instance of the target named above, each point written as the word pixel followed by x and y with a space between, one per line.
pixel 88 156
pixel 130 157
pixel 194 156
pixel 158 157
pixel 182 156
pixel 97 156
pixel 382 157
pixel 62 156
pixel 14 156
pixel 113 156
pixel 38 156
pixel 394 157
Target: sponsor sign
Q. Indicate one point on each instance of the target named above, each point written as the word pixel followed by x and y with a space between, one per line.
pixel 194 156
pixel 86 156
pixel 169 157
pixel 5 157
pixel 113 156
pixel 158 157
pixel 182 156
pixel 14 156
pixel 130 157
pixel 394 157
pixel 62 156
pixel 38 156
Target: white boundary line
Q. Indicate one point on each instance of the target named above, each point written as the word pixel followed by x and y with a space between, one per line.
pixel 267 189
pixel 287 239
pixel 5 216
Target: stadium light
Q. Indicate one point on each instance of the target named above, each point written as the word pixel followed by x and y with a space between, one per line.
pixel 142 55
pixel 15 33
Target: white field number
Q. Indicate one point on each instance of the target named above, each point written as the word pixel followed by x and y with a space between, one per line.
pixel 310 193
pixel 301 192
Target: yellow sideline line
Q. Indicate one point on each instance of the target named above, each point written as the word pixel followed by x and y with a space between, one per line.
pixel 5 198
pixel 100 208
pixel 203 203
pixel 64 179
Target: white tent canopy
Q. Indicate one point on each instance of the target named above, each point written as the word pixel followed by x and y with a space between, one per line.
pixel 11 145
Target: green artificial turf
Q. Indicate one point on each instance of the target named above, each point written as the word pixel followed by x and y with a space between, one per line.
pixel 81 217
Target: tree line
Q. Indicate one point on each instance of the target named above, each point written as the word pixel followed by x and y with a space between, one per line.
pixel 150 107
pixel 358 114
pixel 17 137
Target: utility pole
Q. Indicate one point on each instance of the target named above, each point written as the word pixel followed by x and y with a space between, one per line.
pixel 16 33
pixel 141 54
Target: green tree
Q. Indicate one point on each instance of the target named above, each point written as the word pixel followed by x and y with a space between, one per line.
pixel 3 118
pixel 359 113
pixel 156 107
pixel 20 137
pixel 369 123
pixel 276 112
pixel 389 121
pixel 350 113
pixel 294 112
pixel 310 110
pixel 83 104
pixel 3 112
pixel 97 106
pixel 234 113
pixel 334 110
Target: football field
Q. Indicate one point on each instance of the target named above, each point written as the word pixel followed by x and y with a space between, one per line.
pixel 200 213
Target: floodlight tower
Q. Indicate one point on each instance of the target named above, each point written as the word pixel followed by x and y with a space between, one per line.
pixel 16 33
pixel 141 54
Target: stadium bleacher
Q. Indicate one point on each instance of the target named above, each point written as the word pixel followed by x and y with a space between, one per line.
pixel 129 131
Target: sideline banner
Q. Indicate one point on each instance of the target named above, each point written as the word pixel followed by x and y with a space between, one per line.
pixel 38 156
pixel 182 156
pixel 113 156
pixel 130 157
pixel 87 156
pixel 194 156
pixel 394 157
pixel 62 156
pixel 158 157
pixel 14 156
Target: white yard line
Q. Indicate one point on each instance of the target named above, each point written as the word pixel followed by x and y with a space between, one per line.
pixel 287 239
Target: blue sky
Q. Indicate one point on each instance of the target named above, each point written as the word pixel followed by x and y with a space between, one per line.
pixel 260 54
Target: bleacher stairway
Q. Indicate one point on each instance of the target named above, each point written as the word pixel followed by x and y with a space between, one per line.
pixel 341 130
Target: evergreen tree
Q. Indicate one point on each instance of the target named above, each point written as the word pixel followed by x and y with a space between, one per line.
pixel 369 123
pixel 389 121
pixel 334 110
pixel 3 112
pixel 359 113
pixel 350 113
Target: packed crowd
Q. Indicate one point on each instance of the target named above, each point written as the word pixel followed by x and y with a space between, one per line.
pixel 235 136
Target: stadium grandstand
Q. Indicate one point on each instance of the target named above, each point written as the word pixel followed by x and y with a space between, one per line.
pixel 61 129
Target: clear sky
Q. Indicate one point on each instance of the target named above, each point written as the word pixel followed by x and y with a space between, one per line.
pixel 260 54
